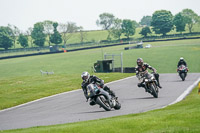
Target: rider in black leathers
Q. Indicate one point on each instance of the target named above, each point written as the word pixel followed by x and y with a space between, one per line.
pixel 142 68
pixel 87 79
pixel 182 62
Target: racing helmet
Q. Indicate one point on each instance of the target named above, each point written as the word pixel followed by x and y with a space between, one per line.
pixel 139 61
pixel 181 59
pixel 85 76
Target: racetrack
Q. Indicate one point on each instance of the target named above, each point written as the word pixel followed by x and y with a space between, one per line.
pixel 71 106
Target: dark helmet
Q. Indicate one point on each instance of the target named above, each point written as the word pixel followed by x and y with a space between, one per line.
pixel 85 76
pixel 139 61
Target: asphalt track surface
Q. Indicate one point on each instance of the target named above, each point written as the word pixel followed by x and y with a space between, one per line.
pixel 72 106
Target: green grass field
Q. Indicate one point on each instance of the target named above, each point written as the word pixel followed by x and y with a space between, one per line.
pixel 21 80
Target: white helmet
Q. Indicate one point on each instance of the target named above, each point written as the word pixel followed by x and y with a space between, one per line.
pixel 85 76
pixel 181 58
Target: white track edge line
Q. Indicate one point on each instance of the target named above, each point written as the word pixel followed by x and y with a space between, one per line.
pixel 185 93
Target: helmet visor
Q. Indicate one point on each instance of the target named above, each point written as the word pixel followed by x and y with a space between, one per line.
pixel 139 63
pixel 85 77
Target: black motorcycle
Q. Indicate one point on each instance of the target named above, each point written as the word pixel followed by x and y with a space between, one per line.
pixel 182 70
pixel 151 84
pixel 102 97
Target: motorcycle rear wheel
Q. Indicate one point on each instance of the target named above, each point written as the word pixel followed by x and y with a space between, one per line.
pixel 117 106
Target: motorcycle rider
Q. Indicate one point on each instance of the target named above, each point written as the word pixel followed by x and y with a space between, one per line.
pixel 182 62
pixel 87 79
pixel 141 68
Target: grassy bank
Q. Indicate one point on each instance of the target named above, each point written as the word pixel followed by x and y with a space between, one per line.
pixel 21 80
pixel 183 117
pixel 98 35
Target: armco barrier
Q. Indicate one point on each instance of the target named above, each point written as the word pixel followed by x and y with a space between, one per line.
pixel 44 53
pixel 25 55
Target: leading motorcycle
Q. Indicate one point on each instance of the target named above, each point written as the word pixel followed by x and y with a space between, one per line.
pixel 182 70
pixel 101 97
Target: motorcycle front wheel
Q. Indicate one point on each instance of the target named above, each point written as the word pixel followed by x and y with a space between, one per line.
pixel 101 100
pixel 154 92
pixel 182 75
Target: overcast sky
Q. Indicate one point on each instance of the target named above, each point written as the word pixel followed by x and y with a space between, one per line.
pixel 25 13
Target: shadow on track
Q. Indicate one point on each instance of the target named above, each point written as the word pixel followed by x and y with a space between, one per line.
pixel 94 112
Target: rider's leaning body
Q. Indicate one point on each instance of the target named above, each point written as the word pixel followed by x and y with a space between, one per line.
pixel 87 79
pixel 142 69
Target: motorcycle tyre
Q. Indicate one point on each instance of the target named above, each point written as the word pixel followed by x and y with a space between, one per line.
pixel 154 93
pixel 102 103
pixel 117 106
pixel 182 75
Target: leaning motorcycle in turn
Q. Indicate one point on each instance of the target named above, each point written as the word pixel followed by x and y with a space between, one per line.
pixel 101 97
pixel 182 70
pixel 151 84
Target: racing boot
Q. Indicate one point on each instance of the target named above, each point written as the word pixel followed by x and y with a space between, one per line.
pixel 92 103
pixel 142 85
pixel 106 88
pixel 112 93
pixel 159 84
pixel 157 78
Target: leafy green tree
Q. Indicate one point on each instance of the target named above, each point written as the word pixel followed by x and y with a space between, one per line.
pixel 116 30
pixel 179 22
pixel 56 37
pixel 15 33
pixel 23 40
pixel 48 29
pixel 105 20
pixel 7 30
pixel 146 30
pixel 162 22
pixel 136 24
pixel 146 20
pixel 190 17
pixel 38 34
pixel 5 41
pixel 128 27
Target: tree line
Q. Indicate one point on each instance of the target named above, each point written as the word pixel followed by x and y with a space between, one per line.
pixel 161 22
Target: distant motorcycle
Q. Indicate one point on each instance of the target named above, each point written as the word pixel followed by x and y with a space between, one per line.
pixel 151 84
pixel 102 97
pixel 182 70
